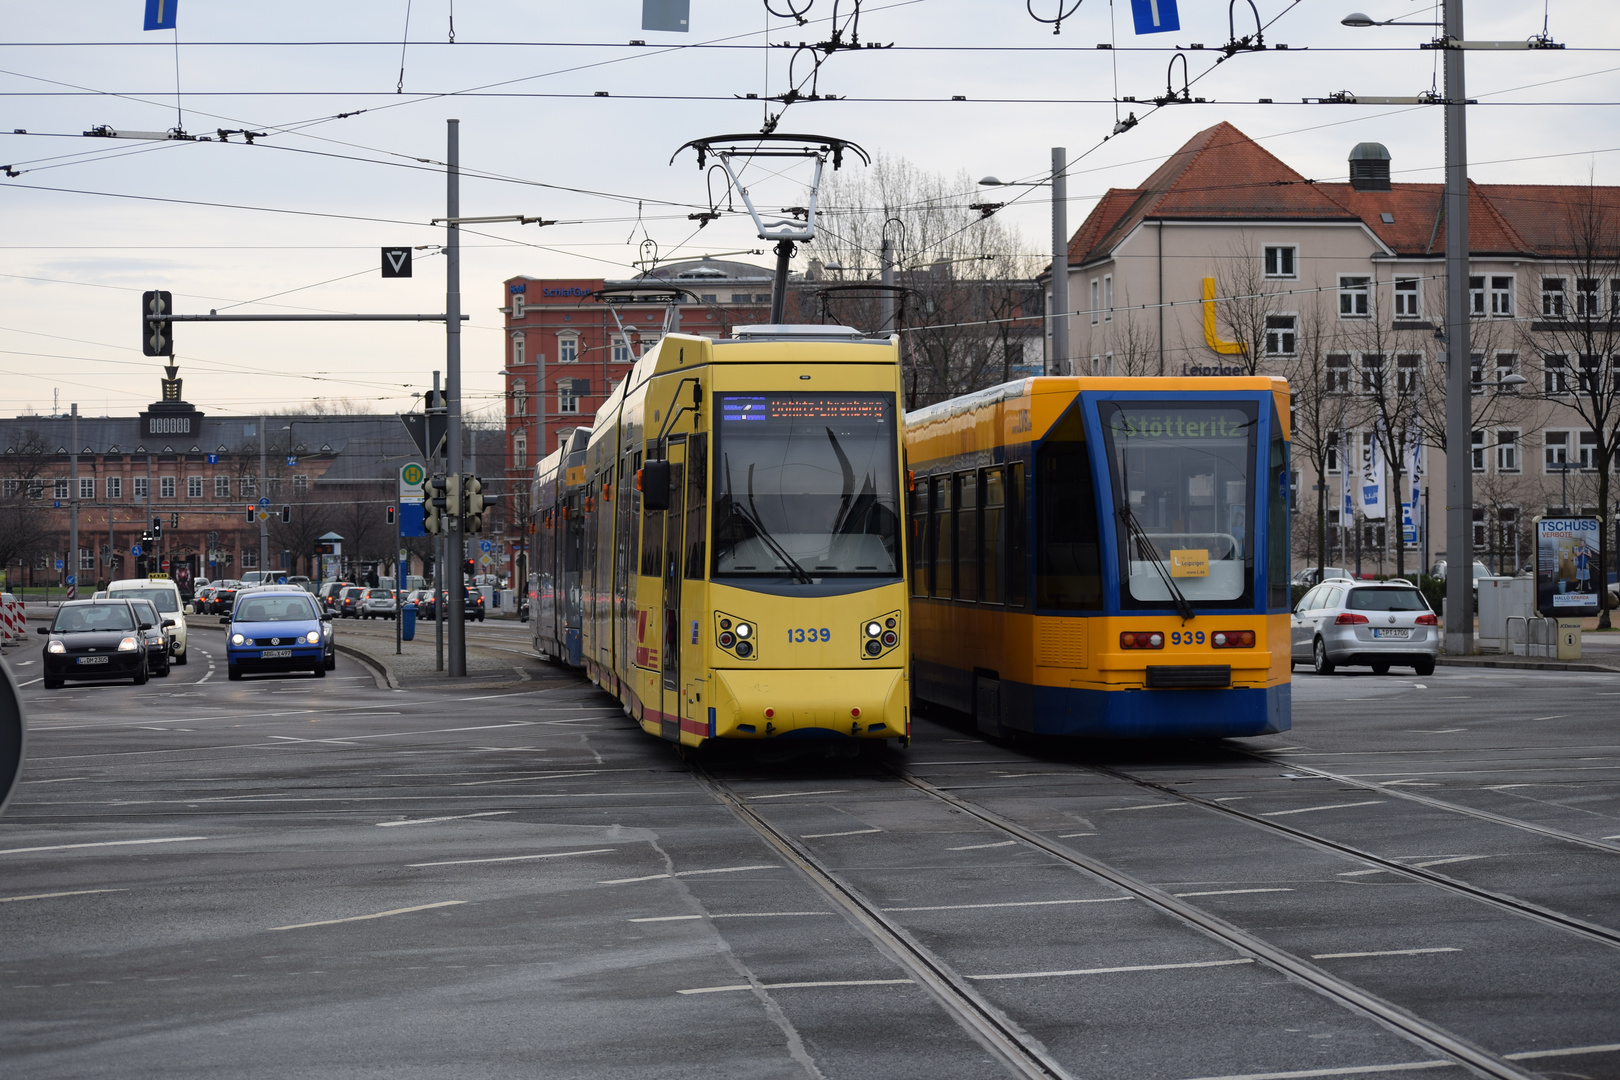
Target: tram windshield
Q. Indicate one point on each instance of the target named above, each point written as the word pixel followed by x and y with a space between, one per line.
pixel 1183 479
pixel 805 486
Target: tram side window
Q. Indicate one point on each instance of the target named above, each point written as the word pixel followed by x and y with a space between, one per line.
pixel 1068 556
pixel 1017 568
pixel 939 577
pixel 1277 560
pixel 919 539
pixel 967 536
pixel 992 500
pixel 697 504
pixel 652 544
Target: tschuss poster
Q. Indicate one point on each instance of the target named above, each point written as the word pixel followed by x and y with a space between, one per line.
pixel 1567 572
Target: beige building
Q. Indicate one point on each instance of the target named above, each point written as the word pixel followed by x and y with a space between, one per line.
pixel 1227 261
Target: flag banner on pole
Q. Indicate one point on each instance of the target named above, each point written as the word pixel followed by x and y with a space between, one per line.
pixel 1371 487
pixel 1346 484
pixel 160 14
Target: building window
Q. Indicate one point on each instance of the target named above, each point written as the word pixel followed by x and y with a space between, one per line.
pixel 1507 450
pixel 1280 262
pixel 87 487
pixel 1506 364
pixel 1476 296
pixel 1108 297
pixel 1552 298
pixel 194 487
pixel 9 488
pixel 1478 450
pixel 1408 298
pixel 143 487
pixel 568 349
pixel 517 350
pixel 567 402
pixel 1502 296
pixel 222 487
pixel 165 487
pixel 710 298
pixel 1280 335
pixel 517 305
pixel 1338 373
pixel 1476 372
pixel 115 488
pixel 520 397
pixel 1554 375
pixel 1587 303
pixel 1333 452
pixel 1372 374
pixel 1587 446
pixel 1479 528
pixel 520 451
pixel 621 348
pixel 1355 297
pixel 250 559
pixel 1555 450
pixel 1590 373
pixel 87 559
pixel 59 489
pixel 739 298
pixel 1574 448
pixel 1096 302
pixel 301 485
pixel 1408 373
pixel 247 487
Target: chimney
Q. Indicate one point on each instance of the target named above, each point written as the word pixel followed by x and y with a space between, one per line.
pixel 1369 167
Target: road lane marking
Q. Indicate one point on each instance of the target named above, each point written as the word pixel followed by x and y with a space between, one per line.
pixel 1012 903
pixel 794 794
pixel 689 873
pixel 452 817
pixel 1382 952
pixel 375 915
pixel 514 858
pixel 823 835
pixel 58 780
pixel 1144 806
pixel 978 847
pixel 799 985
pixel 1417 865
pixel 1347 1070
pixel 1229 892
pixel 54 895
pixel 1072 835
pixel 1330 806
pixel 1570 1051
pixel 104 843
pixel 1109 970
pixel 541 776
pixel 732 915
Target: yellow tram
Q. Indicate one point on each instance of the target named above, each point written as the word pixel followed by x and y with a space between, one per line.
pixel 1097 556
pixel 724 549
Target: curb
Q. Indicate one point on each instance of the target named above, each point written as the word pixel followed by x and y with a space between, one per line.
pixel 1524 664
pixel 380 671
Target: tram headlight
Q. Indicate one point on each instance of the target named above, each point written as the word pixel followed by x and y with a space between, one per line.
pixel 744 631
pixel 745 649
pixel 873 647
pixel 873 629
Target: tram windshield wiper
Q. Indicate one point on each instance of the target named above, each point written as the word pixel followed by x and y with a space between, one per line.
pixel 750 516
pixel 1140 536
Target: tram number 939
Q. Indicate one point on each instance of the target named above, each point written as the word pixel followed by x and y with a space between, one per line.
pixel 801 634
pixel 1186 637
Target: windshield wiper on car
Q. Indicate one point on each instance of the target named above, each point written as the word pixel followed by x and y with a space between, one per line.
pixel 751 516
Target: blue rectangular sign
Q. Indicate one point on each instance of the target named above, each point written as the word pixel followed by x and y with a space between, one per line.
pixel 213 459
pixel 160 14
pixel 410 519
pixel 1155 16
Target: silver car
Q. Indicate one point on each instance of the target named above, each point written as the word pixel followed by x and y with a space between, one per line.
pixel 1381 624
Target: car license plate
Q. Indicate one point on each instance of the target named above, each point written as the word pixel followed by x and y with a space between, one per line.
pixel 275 654
pixel 92 659
pixel 1401 634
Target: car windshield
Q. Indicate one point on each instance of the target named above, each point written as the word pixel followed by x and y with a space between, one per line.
pixel 162 599
pixel 274 609
pixel 1183 479
pixel 804 484
pixel 147 613
pixel 97 618
pixel 1385 600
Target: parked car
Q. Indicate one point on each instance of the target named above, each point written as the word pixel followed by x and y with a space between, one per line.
pixel 159 638
pixel 1480 571
pixel 423 598
pixel 94 639
pixel 165 596
pixel 224 597
pixel 1378 624
pixel 379 604
pixel 277 628
pixel 348 601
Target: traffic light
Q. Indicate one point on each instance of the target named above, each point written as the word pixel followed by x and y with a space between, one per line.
pixel 286 514
pixel 472 504
pixel 467 571
pixel 157 528
pixel 452 502
pixel 157 335
pixel 250 515
pixel 433 505
pixel 174 521
pixel 390 515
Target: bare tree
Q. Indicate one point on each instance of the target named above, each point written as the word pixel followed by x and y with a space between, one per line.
pixel 24 525
pixel 1246 302
pixel 1318 410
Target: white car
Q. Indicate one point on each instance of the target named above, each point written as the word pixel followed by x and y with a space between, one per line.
pixel 165 596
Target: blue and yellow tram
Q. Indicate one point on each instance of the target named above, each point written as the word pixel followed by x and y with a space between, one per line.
pixel 1104 557
pixel 724 548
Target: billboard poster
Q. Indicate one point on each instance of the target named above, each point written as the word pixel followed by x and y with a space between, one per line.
pixel 1567 571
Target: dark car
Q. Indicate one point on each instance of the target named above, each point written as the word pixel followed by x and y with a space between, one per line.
pixel 159 640
pixel 472 605
pixel 277 629
pixel 423 599
pixel 327 595
pixel 348 602
pixel 94 639
pixel 225 597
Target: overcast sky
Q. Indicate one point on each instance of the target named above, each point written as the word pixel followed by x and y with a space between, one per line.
pixel 299 216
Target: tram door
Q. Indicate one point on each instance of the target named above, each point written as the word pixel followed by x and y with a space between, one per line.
pixel 670 655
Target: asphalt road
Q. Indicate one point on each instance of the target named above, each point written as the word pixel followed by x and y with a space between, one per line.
pixel 293 877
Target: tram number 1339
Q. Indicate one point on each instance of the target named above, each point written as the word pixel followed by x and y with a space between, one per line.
pixel 799 635
pixel 1186 637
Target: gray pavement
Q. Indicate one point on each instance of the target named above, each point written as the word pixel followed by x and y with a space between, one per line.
pixel 286 876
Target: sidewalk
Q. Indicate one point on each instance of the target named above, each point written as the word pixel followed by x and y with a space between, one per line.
pixel 488 666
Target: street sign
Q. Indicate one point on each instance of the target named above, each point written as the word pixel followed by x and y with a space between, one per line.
pixel 264 515
pixel 292 459
pixel 59 564
pixel 135 550
pixel 56 505
pixel 410 519
pixel 265 501
pixel 485 560
pixel 396 262
pixel 72 579
pixel 411 475
pixel 485 546
pixel 213 459
pixel 1155 16
pixel 427 432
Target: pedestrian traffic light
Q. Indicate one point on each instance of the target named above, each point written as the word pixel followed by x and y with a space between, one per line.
pixel 286 514
pixel 250 515
pixel 433 501
pixel 390 515
pixel 157 335
pixel 472 514
pixel 157 528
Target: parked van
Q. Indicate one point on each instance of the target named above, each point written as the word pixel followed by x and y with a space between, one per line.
pixel 165 596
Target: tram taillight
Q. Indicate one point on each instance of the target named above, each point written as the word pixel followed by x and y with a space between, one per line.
pixel 1232 639
pixel 1141 639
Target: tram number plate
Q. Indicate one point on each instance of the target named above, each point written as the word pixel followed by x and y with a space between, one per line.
pixel 1400 634
pixel 276 654
pixel 92 659
pixel 800 634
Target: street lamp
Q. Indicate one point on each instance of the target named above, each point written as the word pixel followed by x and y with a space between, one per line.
pixel 1059 361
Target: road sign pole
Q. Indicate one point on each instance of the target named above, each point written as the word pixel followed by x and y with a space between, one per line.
pixel 452 387
pixel 264 518
pixel 73 507
pixel 399 579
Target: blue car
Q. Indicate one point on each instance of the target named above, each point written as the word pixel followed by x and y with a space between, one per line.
pixel 277 628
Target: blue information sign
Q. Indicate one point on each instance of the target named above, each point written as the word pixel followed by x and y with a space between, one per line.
pixel 59 564
pixel 410 519
pixel 292 459
pixel 72 579
pixel 135 550
pixel 265 501
pixel 485 546
pixel 213 459
pixel 1155 16
pixel 160 14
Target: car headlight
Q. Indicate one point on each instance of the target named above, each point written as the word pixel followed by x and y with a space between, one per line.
pixel 56 647
pixel 129 644
pixel 313 637
pixel 237 639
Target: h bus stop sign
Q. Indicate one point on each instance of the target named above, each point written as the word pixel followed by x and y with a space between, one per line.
pixel 12 735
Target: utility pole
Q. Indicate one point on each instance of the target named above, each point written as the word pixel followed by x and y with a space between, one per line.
pixel 455 598
pixel 1459 396
pixel 264 518
pixel 1059 363
pixel 72 563
pixel 887 265
pixel 440 594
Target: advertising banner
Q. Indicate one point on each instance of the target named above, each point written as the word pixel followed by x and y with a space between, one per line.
pixel 1372 479
pixel 1567 573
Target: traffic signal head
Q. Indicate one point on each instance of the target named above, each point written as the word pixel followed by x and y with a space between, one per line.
pixel 472 504
pixel 466 571
pixel 390 515
pixel 157 335
pixel 157 527
pixel 433 505
pixel 250 515
pixel 286 513
pixel 452 499
pixel 174 521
